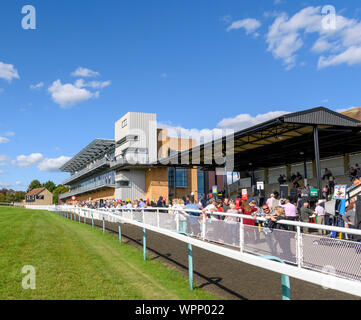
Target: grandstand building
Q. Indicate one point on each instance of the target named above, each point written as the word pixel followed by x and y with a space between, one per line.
pixel 123 168
pixel 144 162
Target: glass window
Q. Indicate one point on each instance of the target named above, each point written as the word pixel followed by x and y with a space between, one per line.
pixel 200 181
pixel 123 183
pixel 182 181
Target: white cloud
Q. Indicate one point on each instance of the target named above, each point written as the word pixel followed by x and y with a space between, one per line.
pixel 44 164
pixel 243 121
pixel 52 165
pixel 224 127
pixel 27 161
pixel 339 45
pixel 203 135
pixel 37 86
pixel 4 140
pixel 67 95
pixel 18 183
pixel 8 72
pixel 351 56
pixel 84 72
pixel 284 35
pixel 250 25
pixel 1 172
pixel 9 133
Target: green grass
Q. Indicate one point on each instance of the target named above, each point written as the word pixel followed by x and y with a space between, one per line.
pixel 74 261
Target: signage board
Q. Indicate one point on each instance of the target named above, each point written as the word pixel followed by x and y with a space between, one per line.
pixel 314 193
pixel 260 185
pixel 340 192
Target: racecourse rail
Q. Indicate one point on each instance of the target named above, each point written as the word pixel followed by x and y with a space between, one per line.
pixel 329 262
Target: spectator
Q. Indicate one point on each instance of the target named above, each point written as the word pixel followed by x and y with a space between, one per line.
pixel 210 208
pixel 290 211
pixel 327 174
pixel 248 210
pixel 320 213
pixel 161 202
pixel 350 217
pixel 232 223
pixel 305 214
pixel 269 201
pixel 226 205
pixel 282 179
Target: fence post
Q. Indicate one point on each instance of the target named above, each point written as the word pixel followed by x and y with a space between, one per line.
pixel 120 232
pixel 177 221
pixel 92 221
pixel 144 244
pixel 190 266
pixel 158 218
pixel 103 224
pixel 79 215
pixel 204 226
pixel 241 235
pixel 299 247
pixel 285 280
pixel 84 217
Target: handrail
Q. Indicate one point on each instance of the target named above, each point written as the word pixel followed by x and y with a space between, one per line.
pixel 283 222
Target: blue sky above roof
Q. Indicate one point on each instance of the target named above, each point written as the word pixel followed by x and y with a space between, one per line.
pixel 199 65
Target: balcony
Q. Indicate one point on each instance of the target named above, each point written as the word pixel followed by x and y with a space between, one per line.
pixel 91 187
pixel 92 169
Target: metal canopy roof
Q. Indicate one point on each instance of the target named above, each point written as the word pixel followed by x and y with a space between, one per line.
pixel 283 140
pixel 93 151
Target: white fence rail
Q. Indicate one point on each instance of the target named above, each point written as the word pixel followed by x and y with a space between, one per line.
pixel 330 262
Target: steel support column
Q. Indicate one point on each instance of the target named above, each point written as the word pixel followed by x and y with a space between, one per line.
pixel 317 160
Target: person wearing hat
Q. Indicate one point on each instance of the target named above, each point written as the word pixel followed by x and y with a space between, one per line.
pixel 320 213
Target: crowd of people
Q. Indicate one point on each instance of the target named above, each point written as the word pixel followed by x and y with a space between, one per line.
pixel 273 209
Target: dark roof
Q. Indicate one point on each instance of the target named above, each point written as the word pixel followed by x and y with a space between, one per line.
pixel 278 141
pixel 93 151
pixel 35 191
pixel 320 116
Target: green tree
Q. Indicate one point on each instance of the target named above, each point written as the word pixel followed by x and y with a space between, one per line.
pixel 34 184
pixel 50 185
pixel 60 189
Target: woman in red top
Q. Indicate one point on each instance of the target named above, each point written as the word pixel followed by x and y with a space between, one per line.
pixel 248 210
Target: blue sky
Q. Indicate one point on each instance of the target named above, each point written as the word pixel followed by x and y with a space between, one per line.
pixel 200 65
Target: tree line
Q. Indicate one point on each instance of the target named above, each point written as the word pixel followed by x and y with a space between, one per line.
pixel 10 195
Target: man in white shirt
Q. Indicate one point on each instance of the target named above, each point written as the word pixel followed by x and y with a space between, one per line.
pixel 210 208
pixel 270 201
pixel 320 213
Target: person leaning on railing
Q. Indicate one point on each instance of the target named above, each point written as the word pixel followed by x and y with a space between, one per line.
pixel 210 208
pixel 350 217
